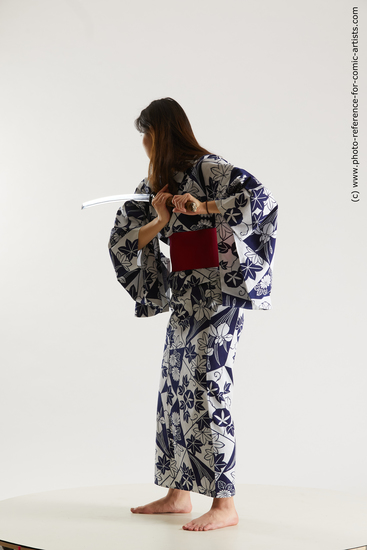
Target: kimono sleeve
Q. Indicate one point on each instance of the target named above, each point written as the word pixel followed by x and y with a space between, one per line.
pixel 143 273
pixel 248 211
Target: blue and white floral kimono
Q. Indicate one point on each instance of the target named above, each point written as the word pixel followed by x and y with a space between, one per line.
pixel 195 441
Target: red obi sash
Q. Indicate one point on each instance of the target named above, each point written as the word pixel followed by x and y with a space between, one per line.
pixel 194 249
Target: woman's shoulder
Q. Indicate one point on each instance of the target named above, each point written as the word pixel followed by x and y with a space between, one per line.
pixel 218 170
pixel 212 159
pixel 216 166
pixel 209 164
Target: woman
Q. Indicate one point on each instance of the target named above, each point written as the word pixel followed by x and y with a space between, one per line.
pixel 222 259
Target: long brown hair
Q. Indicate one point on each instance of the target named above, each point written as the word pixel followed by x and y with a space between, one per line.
pixel 173 142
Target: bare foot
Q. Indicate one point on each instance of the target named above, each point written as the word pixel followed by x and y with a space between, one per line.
pixel 222 515
pixel 175 502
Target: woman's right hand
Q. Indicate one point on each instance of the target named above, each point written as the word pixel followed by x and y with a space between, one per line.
pixel 159 204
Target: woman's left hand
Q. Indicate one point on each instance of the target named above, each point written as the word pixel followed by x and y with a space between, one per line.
pixel 180 200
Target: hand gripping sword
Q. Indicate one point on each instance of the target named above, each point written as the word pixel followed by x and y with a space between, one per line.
pixel 190 206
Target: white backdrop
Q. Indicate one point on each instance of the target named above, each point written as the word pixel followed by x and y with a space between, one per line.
pixel 267 85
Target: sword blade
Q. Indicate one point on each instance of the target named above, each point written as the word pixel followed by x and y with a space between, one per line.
pixel 116 198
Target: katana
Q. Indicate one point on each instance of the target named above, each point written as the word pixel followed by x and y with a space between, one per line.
pixel 190 206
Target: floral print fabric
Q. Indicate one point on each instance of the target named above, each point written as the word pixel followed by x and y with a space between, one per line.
pixel 195 442
pixel 246 234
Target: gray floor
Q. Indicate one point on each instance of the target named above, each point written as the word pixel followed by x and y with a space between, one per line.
pixel 271 517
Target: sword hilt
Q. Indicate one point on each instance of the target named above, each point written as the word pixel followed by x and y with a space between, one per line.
pixel 189 205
